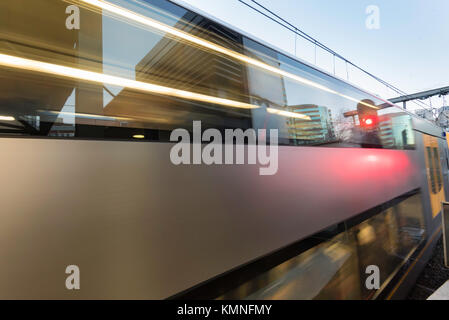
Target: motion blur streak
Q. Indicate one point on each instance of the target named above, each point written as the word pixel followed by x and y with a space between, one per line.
pixel 58 70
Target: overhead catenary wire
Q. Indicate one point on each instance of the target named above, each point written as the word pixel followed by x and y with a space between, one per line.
pixel 297 31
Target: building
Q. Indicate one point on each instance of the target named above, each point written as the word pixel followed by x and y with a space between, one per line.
pixel 395 130
pixel 319 130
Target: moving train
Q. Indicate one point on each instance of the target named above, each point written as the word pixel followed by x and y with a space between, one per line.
pixel 90 92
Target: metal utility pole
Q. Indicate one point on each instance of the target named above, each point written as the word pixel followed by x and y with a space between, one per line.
pixel 421 95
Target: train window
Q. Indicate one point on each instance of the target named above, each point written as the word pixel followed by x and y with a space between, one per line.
pixel 64 105
pixel 333 107
pixel 144 68
pixel 431 169
pixel 387 239
pixel 328 271
pixel 336 269
pixel 437 168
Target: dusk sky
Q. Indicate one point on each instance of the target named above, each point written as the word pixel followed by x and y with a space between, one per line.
pixel 409 50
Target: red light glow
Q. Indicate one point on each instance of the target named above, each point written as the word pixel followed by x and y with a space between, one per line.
pixel 369 122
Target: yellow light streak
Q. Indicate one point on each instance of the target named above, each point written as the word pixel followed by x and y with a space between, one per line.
pixel 288 114
pixel 58 70
pixel 7 118
pixel 86 115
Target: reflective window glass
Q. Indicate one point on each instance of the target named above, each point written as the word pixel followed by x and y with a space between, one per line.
pixel 336 269
pixel 144 68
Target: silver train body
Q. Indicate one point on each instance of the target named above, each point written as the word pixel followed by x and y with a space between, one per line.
pixel 140 227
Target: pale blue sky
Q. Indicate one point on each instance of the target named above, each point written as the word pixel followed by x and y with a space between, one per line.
pixel 410 50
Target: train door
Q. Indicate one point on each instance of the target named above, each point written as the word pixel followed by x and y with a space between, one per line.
pixel 433 159
pixel 444 154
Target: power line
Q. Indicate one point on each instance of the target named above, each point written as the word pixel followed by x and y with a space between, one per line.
pixel 289 26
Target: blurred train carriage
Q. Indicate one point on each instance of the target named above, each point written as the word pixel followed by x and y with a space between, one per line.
pixel 85 121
